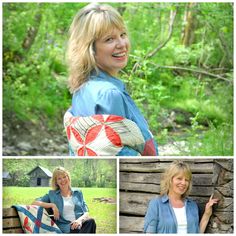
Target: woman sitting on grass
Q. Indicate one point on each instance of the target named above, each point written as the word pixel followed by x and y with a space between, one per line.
pixel 69 208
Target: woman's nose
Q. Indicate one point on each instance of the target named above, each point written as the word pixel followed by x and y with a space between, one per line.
pixel 121 43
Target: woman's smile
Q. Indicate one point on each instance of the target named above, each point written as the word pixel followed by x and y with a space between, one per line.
pixel 111 51
pixel 179 184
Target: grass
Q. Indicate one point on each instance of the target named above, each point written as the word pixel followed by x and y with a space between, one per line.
pixel 103 213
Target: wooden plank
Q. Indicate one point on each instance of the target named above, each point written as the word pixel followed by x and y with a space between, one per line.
pixel 227 164
pixel 11 223
pixel 161 167
pixel 131 224
pixel 225 217
pixel 152 188
pixel 9 212
pixel 13 231
pixel 152 178
pixel 227 189
pixel 155 178
pixel 164 159
pixel 134 203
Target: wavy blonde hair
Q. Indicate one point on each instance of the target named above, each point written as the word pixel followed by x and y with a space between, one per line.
pixel 56 172
pixel 175 168
pixel 90 23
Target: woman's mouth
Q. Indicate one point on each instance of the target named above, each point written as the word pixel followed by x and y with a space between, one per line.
pixel 120 55
pixel 181 188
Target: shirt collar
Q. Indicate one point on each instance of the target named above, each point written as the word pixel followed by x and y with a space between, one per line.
pixel 165 198
pixel 106 77
pixel 58 191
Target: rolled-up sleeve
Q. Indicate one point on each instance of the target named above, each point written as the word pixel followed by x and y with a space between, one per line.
pixel 151 217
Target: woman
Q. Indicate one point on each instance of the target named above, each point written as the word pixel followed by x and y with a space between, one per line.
pixel 69 208
pixel 98 49
pixel 173 211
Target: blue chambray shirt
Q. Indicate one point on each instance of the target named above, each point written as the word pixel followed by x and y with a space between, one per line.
pixel 160 216
pixel 104 94
pixel 54 196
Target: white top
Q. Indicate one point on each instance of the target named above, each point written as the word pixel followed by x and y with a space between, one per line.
pixel 68 210
pixel 180 214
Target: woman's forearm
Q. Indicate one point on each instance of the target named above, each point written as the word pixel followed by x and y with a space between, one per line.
pixel 84 217
pixel 43 204
pixel 204 221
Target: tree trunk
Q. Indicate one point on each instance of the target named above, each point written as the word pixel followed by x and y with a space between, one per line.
pixel 190 23
pixel 32 31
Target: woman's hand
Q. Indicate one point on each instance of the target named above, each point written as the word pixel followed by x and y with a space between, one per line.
pixel 55 211
pixel 208 207
pixel 76 224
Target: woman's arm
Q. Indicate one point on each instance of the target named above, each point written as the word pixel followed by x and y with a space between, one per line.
pixel 79 222
pixel 48 205
pixel 207 214
pixel 151 218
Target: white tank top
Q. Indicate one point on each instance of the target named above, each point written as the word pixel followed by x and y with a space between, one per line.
pixel 180 214
pixel 68 210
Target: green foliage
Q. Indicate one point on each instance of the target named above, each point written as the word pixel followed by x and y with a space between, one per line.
pixel 34 79
pixel 84 172
pixel 103 213
pixel 217 141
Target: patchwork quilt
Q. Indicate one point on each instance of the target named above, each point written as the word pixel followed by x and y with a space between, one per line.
pixel 105 135
pixel 35 220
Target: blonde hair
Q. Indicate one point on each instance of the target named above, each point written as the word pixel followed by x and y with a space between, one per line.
pixel 175 168
pixel 56 172
pixel 90 23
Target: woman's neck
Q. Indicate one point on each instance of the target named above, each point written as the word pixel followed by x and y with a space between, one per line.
pixel 176 200
pixel 66 192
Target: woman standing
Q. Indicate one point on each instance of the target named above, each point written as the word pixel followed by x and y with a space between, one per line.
pixel 173 211
pixel 69 208
pixel 98 49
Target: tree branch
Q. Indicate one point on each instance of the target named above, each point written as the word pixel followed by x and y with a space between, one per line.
pixel 198 70
pixel 151 54
pixel 171 23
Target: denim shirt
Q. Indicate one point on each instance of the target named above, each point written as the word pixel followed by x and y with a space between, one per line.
pixel 54 196
pixel 104 94
pixel 160 216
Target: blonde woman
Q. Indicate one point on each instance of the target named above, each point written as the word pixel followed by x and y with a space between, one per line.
pixel 173 211
pixel 98 49
pixel 69 208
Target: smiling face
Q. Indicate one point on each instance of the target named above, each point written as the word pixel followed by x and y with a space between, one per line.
pixel 63 181
pixel 111 51
pixel 179 185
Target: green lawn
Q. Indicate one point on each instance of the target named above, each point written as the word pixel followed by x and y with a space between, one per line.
pixel 103 213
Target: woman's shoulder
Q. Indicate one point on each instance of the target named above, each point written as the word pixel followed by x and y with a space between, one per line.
pixel 76 191
pixel 155 200
pixel 52 192
pixel 103 81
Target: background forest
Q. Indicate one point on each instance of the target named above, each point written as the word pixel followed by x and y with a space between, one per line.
pixel 84 172
pixel 180 74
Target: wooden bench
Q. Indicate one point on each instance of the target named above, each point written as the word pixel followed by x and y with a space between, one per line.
pixel 11 221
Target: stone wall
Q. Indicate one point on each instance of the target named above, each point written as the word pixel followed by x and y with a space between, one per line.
pixel 140 182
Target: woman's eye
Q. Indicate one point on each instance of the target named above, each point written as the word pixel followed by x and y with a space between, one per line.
pixel 109 40
pixel 123 34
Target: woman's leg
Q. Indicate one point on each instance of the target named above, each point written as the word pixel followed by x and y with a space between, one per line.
pixel 89 226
